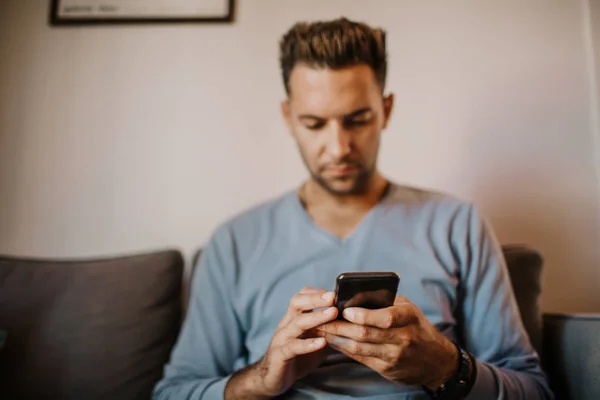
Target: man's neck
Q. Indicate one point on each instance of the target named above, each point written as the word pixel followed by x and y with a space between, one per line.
pixel 340 215
pixel 315 195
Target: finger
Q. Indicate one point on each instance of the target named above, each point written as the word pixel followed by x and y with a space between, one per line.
pixel 401 300
pixel 337 328
pixel 358 349
pixel 298 347
pixel 398 315
pixel 310 289
pixel 372 362
pixel 307 321
pixel 307 301
pixel 361 333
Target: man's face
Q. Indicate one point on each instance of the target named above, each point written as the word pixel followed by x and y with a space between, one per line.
pixel 336 118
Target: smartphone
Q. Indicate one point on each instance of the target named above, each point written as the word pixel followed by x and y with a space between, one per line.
pixel 370 290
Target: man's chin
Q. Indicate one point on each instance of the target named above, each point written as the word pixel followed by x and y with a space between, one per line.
pixel 343 187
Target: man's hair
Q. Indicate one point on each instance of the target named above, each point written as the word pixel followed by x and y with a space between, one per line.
pixel 333 44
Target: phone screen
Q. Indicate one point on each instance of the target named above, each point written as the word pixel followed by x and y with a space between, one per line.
pixel 370 290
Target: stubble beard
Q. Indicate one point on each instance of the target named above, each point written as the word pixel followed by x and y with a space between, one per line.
pixel 360 184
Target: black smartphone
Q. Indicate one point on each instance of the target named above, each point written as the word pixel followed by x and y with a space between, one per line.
pixel 370 290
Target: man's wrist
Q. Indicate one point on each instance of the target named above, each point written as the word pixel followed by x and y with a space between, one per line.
pixel 461 383
pixel 448 368
pixel 246 383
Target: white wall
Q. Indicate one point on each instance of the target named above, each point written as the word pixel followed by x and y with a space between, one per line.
pixel 119 139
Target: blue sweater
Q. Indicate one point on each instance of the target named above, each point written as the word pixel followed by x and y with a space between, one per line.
pixel 450 266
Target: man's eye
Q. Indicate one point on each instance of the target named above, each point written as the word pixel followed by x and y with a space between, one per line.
pixel 315 126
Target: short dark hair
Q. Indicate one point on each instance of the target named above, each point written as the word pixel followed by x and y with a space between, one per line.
pixel 333 44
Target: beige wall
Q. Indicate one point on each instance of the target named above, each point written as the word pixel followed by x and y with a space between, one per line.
pixel 594 61
pixel 119 139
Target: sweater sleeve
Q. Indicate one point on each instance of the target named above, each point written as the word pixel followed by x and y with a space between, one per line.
pixel 211 339
pixel 507 365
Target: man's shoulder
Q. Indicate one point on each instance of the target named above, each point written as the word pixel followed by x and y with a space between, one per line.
pixel 438 211
pixel 249 221
pixel 418 197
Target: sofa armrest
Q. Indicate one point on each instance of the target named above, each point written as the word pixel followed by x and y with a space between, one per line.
pixel 571 355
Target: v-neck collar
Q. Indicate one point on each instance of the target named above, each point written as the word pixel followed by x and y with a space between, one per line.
pixel 360 230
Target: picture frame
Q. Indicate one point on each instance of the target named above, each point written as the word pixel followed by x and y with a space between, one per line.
pixel 94 12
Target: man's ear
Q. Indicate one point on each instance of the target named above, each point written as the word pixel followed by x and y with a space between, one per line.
pixel 388 105
pixel 286 112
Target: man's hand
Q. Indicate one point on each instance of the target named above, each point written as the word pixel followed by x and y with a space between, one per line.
pixel 294 351
pixel 398 342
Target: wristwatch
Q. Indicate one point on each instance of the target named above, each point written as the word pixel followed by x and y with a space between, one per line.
pixel 460 385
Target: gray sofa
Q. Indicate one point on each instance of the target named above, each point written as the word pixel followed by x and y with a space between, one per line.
pixel 103 329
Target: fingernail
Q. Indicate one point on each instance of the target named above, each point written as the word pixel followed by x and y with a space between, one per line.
pixel 349 313
pixel 327 296
pixel 330 311
pixel 318 342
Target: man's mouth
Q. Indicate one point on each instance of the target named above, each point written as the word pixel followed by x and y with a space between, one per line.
pixel 341 170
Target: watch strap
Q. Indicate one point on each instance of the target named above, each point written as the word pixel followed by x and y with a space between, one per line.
pixel 460 384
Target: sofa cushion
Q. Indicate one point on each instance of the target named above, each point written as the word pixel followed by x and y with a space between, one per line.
pixel 94 329
pixel 525 270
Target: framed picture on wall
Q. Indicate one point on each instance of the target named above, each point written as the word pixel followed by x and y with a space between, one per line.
pixel 81 12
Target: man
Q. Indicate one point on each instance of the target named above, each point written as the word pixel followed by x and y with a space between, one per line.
pixel 455 331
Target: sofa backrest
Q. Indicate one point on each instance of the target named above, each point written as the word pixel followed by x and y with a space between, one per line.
pixel 525 269
pixel 94 329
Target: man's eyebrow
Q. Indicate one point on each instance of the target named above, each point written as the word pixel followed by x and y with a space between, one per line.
pixel 309 116
pixel 358 112
pixel 353 114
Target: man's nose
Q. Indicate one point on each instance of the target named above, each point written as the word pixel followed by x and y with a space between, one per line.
pixel 339 142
